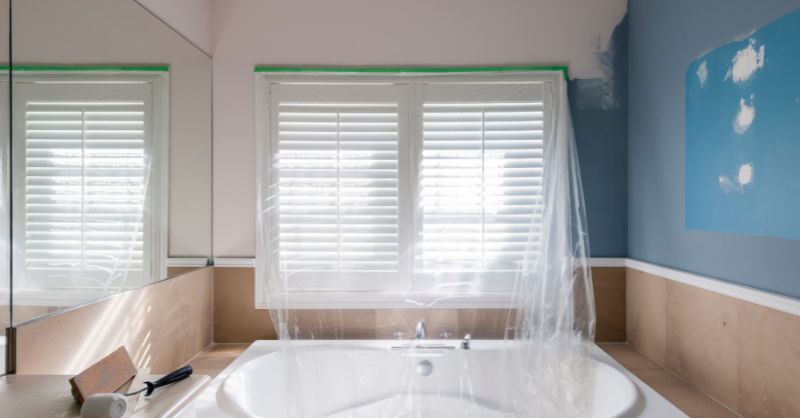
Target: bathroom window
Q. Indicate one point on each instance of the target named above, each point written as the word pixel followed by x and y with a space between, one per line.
pixel 338 184
pixel 88 154
pixel 421 184
pixel 480 176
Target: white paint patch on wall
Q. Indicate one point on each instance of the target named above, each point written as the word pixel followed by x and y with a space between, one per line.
pixel 745 63
pixel 702 73
pixel 598 64
pixel 603 91
pixel 745 174
pixel 744 118
pixel 744 177
pixel 726 184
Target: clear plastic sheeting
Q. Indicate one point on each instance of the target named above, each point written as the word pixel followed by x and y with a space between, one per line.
pixel 84 147
pixel 434 209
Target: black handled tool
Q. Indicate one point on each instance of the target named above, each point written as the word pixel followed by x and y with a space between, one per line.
pixel 169 379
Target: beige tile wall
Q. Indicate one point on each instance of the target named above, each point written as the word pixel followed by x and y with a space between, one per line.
pixel 486 324
pixel 746 356
pixel 439 323
pixel 237 321
pixel 769 362
pixel 743 355
pixel 702 328
pixel 609 296
pixel 647 314
pixel 162 326
pixel 174 271
pixel 25 312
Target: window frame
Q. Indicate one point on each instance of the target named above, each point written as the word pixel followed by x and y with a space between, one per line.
pixel 156 214
pixel 395 299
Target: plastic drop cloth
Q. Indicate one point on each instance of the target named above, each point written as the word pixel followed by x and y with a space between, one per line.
pixel 84 147
pixel 386 198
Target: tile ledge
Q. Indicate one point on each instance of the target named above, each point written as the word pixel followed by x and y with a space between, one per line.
pixel 730 412
pixel 251 262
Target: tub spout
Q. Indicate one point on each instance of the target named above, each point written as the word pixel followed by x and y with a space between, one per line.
pixel 421 333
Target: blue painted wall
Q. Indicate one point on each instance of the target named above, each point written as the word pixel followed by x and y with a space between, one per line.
pixel 599 109
pixel 665 38
pixel 743 135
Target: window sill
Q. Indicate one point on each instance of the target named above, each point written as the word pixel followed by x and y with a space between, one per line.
pixel 335 300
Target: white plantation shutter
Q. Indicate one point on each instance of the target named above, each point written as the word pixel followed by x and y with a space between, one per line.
pixel 481 184
pixel 362 205
pixel 84 185
pixel 337 159
pixel 481 177
pixel 84 168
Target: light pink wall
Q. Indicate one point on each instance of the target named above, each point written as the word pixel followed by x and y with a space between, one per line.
pixel 120 32
pixel 373 33
pixel 190 18
pixel 4 32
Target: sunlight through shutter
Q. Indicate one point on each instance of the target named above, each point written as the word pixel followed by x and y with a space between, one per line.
pixel 481 182
pixel 85 185
pixel 338 187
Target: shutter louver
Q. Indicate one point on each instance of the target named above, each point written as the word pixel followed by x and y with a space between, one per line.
pixel 481 184
pixel 338 187
pixel 85 186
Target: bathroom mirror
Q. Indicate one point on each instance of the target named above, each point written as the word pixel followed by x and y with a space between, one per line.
pixel 5 283
pixel 110 152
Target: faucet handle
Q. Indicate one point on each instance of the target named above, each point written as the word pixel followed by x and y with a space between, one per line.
pixel 399 335
pixel 465 343
pixel 421 334
pixel 445 335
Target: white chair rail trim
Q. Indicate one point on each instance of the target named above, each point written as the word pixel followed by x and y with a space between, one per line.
pixel 759 297
pixel 187 262
pixel 234 262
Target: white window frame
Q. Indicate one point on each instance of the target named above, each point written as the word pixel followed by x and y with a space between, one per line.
pixel 156 218
pixel 384 299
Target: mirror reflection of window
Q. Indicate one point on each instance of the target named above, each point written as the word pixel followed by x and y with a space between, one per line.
pixel 90 150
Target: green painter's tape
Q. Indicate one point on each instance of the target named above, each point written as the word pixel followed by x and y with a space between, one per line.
pixel 409 70
pixel 50 68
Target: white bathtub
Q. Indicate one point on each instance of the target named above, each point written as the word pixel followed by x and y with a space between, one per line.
pixel 341 382
pixel 253 386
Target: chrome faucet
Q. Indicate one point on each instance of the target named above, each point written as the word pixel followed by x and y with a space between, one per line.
pixel 421 334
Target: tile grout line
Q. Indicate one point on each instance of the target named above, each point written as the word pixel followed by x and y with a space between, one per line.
pixel 200 354
pixel 182 333
pixel 685 381
pixel 738 357
pixel 184 338
pixel 212 305
pixel 666 331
